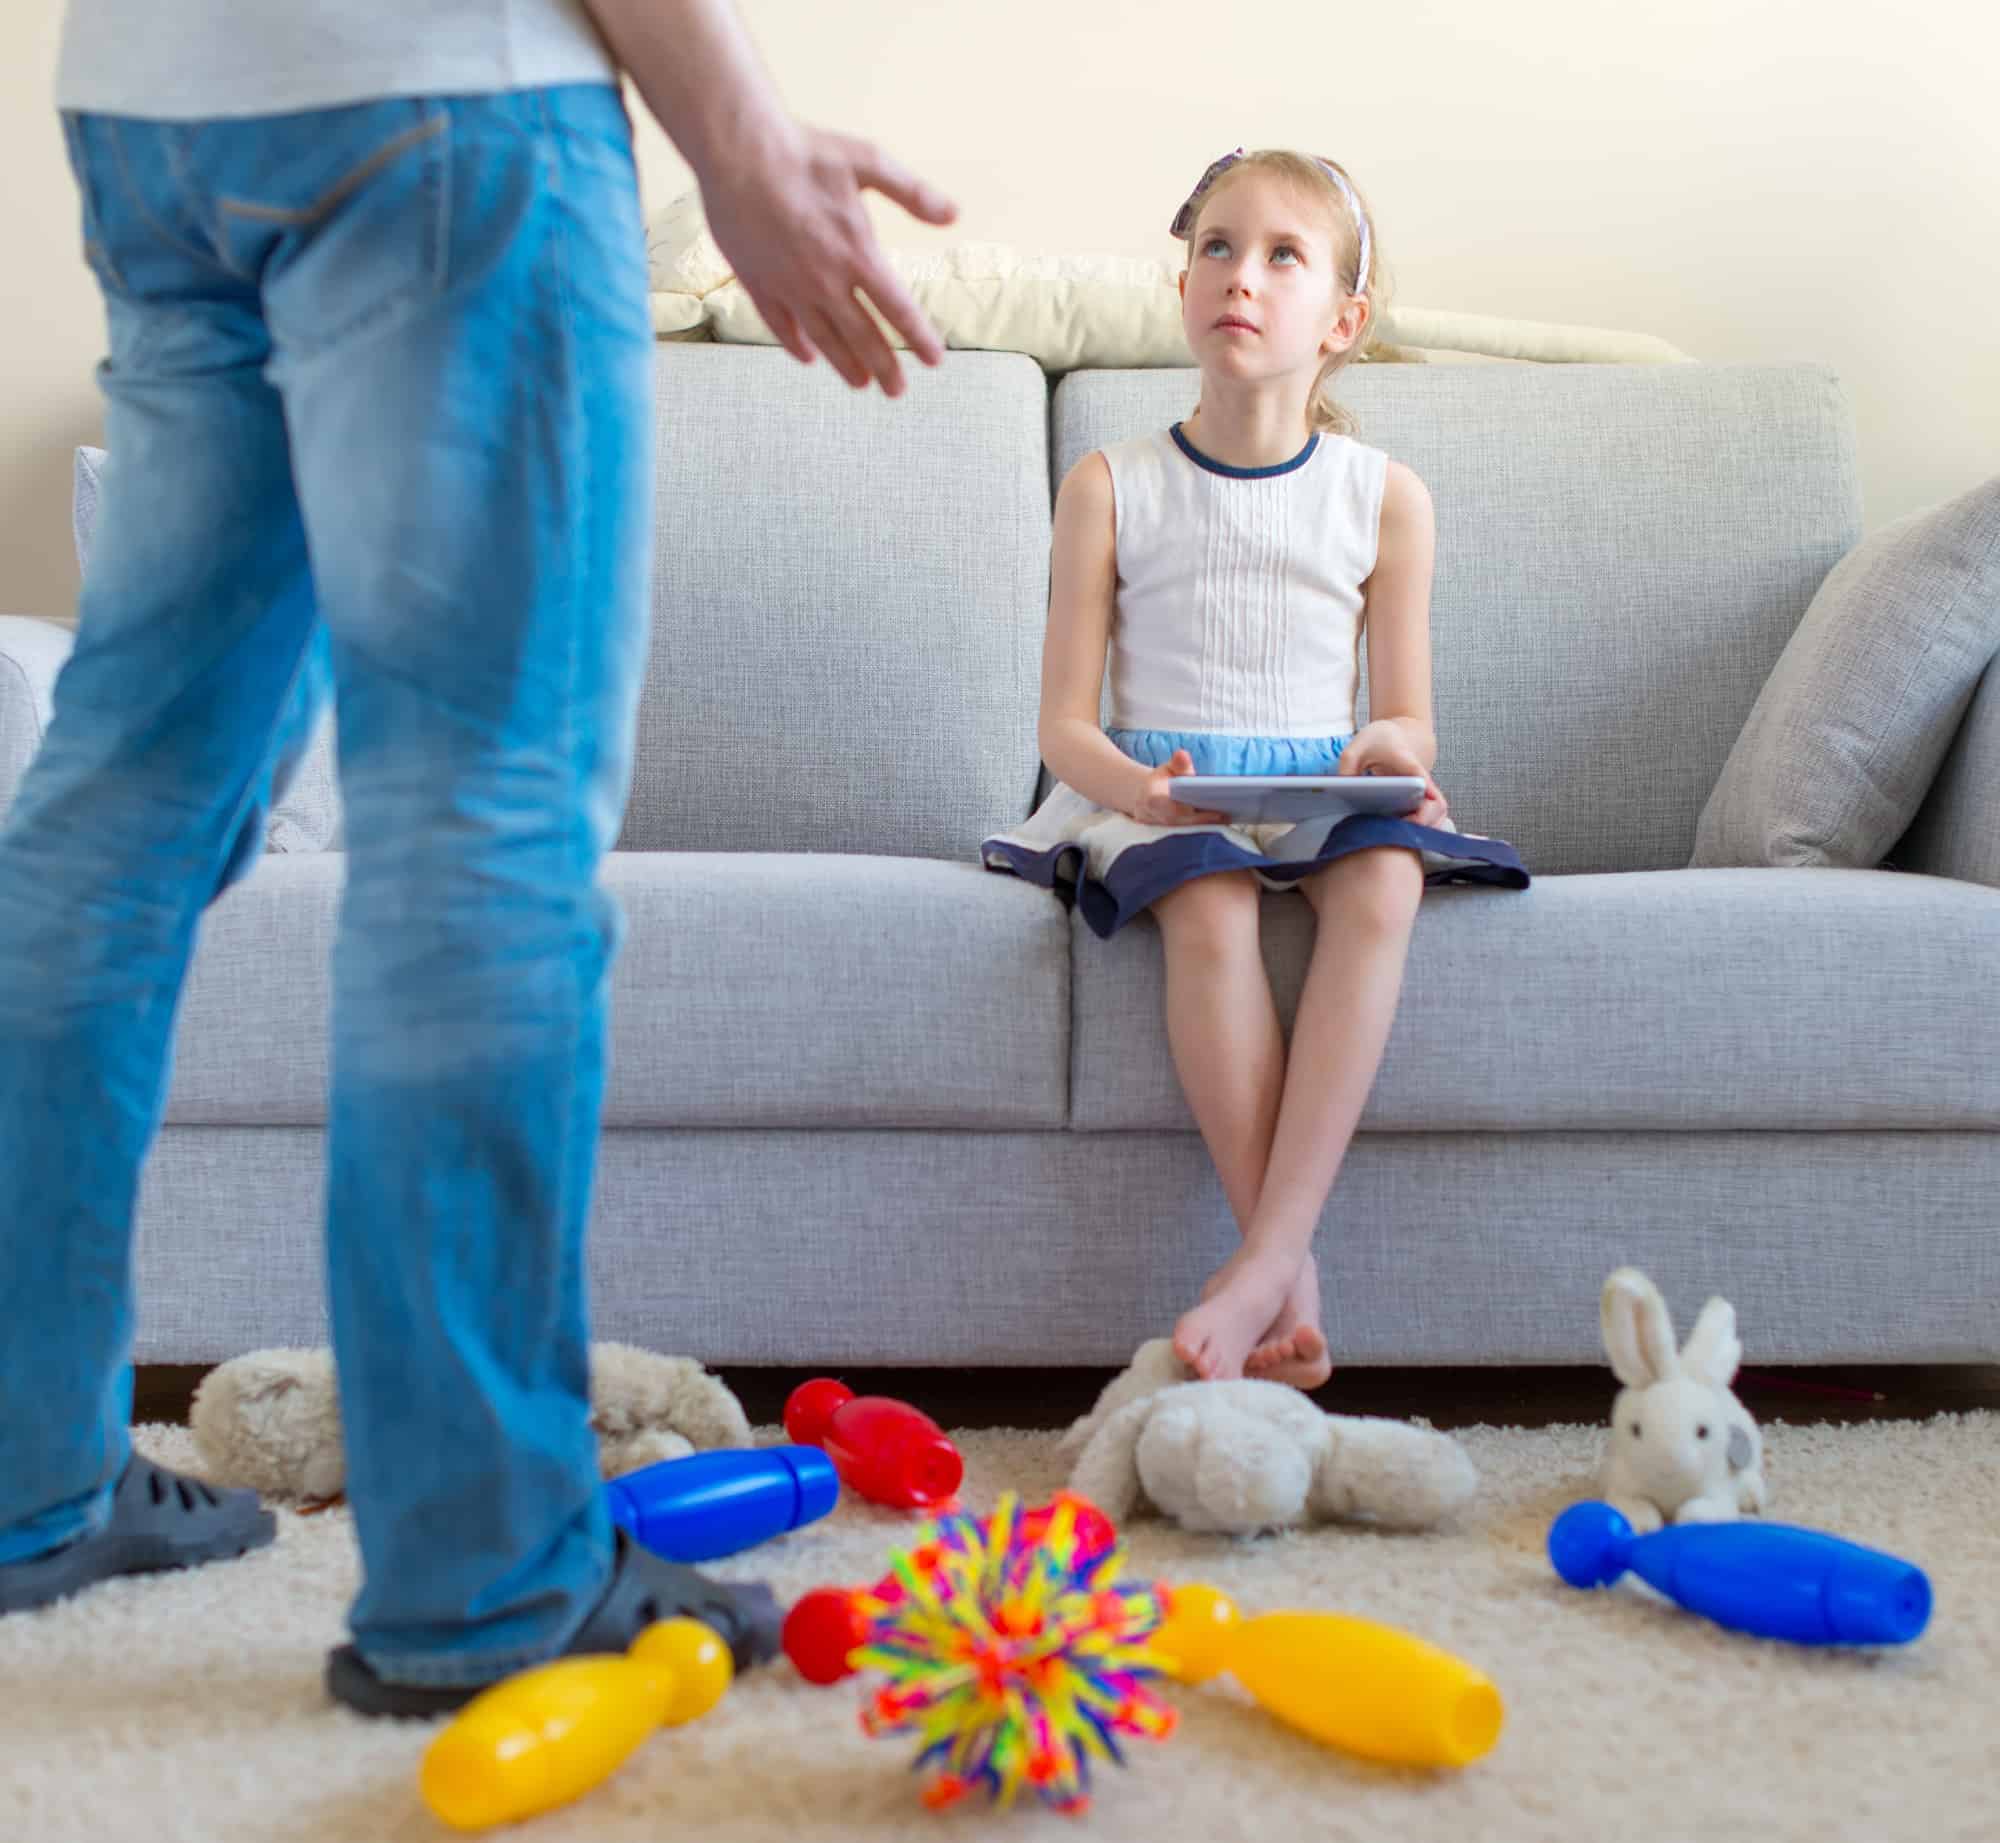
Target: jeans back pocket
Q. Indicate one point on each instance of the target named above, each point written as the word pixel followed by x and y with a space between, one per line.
pixel 351 224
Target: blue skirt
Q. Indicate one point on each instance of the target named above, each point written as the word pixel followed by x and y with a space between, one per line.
pixel 1113 868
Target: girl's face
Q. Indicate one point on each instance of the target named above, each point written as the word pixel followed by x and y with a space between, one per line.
pixel 1257 256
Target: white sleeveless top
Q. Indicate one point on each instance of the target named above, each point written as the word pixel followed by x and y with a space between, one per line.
pixel 181 60
pixel 1239 589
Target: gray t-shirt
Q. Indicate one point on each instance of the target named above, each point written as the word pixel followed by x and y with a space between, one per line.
pixel 182 60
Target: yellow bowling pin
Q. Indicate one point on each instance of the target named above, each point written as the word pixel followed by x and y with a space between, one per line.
pixel 1195 1635
pixel 547 1735
pixel 1366 1688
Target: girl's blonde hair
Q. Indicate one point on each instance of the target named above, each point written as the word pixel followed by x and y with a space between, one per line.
pixel 1309 180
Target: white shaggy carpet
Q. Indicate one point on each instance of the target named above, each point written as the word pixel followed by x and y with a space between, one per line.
pixel 188 1708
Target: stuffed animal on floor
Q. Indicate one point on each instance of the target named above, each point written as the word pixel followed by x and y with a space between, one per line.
pixel 1239 1456
pixel 1683 1448
pixel 271 1419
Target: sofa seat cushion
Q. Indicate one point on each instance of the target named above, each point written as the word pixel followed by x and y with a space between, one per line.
pixel 1670 1000
pixel 752 990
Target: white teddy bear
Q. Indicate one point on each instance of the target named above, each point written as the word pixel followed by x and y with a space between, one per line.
pixel 271 1420
pixel 1245 1455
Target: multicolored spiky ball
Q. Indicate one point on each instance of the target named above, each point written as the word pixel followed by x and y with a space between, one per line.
pixel 1014 1652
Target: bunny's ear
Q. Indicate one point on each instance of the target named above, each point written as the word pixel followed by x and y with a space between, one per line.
pixel 1638 1334
pixel 1108 1471
pixel 1713 1349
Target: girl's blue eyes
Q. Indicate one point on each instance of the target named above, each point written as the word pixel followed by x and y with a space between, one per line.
pixel 1213 241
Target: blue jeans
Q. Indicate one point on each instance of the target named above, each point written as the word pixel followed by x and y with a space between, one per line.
pixel 379 422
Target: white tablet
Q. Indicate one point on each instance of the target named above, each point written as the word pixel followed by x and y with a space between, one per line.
pixel 1269 798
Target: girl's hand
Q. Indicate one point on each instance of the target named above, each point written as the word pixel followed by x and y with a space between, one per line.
pixel 1157 807
pixel 1381 748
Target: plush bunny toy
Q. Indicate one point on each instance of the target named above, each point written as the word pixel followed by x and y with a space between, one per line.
pixel 271 1419
pixel 1683 1448
pixel 1247 1455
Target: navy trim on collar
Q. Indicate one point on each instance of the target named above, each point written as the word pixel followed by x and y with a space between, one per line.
pixel 1195 455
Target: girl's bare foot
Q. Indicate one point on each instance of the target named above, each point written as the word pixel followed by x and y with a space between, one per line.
pixel 1293 1348
pixel 1239 1301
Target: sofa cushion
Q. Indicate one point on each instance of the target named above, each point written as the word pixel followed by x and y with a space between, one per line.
pixel 1956 832
pixel 32 652
pixel 1677 1001
pixel 1622 553
pixel 1847 734
pixel 751 991
pixel 86 478
pixel 849 598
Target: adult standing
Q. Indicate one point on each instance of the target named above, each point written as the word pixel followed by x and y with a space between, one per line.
pixel 379 419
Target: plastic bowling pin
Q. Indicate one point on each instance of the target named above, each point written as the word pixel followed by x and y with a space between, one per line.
pixel 886 1450
pixel 1365 1688
pixel 709 1504
pixel 822 1629
pixel 548 1735
pixel 1773 1580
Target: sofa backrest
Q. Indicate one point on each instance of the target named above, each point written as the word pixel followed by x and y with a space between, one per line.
pixel 848 604
pixel 1622 553
pixel 851 590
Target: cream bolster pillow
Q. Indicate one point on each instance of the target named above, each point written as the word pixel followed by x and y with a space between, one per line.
pixel 1075 311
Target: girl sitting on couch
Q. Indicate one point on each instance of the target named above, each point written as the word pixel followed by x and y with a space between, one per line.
pixel 1225 567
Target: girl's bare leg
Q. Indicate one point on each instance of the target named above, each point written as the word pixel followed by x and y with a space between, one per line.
pixel 1228 1045
pixel 1367 905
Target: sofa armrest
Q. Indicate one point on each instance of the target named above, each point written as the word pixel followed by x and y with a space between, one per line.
pixel 1956 832
pixel 32 652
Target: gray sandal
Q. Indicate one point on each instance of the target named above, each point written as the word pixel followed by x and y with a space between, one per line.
pixel 160 1519
pixel 644 1587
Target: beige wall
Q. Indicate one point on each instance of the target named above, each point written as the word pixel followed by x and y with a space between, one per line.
pixel 1751 179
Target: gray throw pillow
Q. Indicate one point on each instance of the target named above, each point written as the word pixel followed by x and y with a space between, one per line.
pixel 1842 744
pixel 306 816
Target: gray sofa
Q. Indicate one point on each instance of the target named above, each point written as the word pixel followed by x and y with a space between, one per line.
pixel 872 1102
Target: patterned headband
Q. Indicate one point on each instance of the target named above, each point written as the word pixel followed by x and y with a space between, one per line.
pixel 1185 216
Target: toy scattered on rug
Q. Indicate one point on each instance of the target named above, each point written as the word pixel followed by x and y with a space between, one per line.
pixel 1246 1455
pixel 271 1419
pixel 1683 1449
pixel 1769 1579
pixel 884 1450
pixel 1366 1688
pixel 825 1626
pixel 712 1504
pixel 975 1663
pixel 1016 1657
pixel 546 1736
